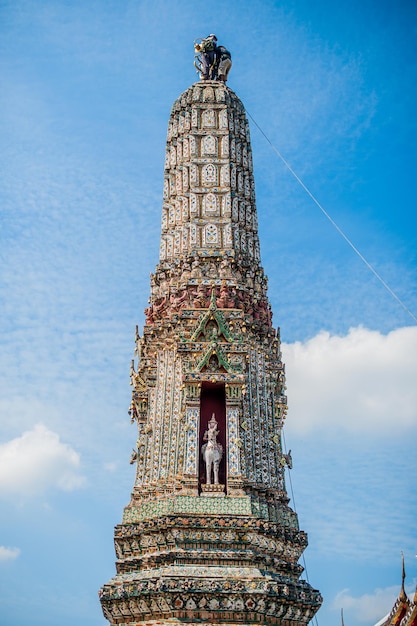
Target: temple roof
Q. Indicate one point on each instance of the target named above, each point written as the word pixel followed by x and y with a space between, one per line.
pixel 404 611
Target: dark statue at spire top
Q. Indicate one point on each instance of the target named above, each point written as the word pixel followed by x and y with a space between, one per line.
pixel 212 61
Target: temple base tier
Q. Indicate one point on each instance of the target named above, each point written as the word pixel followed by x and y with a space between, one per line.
pixel 230 569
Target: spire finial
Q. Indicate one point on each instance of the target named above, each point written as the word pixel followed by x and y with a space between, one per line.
pixel 403 595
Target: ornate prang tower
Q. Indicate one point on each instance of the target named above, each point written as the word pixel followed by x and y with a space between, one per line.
pixel 209 539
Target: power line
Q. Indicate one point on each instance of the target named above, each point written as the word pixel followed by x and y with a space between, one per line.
pixel 331 220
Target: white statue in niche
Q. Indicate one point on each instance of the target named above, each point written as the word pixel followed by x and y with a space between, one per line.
pixel 212 451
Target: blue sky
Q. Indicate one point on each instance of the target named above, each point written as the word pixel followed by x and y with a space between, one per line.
pixel 86 93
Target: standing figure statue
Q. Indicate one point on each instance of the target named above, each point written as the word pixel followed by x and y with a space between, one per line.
pixel 224 63
pixel 212 451
pixel 206 51
pixel 213 62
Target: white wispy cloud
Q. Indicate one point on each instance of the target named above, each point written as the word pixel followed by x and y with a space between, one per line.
pixel 8 554
pixel 369 607
pixel 360 382
pixel 37 461
pixel 352 410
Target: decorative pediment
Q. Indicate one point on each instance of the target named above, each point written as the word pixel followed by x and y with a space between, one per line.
pixel 212 324
pixel 213 360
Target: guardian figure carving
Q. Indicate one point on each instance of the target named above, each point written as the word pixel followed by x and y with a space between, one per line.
pixel 212 451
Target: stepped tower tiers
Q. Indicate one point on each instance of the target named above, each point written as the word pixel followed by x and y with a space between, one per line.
pixel 208 535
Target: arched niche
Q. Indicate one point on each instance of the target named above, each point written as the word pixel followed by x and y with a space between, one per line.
pixel 213 400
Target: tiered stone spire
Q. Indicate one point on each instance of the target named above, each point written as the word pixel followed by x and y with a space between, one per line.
pixel 196 546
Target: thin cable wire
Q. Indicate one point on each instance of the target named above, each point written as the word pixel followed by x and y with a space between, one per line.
pixel 295 510
pixel 339 230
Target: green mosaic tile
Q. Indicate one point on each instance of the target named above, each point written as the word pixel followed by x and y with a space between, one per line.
pixel 197 505
pixel 201 505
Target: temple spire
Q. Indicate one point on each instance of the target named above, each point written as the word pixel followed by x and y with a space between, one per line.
pixel 208 535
